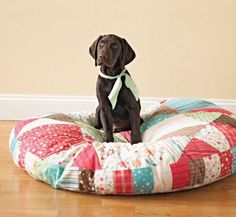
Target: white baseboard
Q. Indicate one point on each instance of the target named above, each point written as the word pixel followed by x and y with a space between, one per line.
pixel 18 107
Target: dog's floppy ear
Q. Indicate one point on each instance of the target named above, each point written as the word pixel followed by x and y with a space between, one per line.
pixel 93 49
pixel 128 53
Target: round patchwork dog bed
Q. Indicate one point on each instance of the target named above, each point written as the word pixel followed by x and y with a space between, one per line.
pixel 186 144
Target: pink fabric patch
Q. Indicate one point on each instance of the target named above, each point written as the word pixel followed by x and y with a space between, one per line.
pixel 21 124
pixel 126 135
pixel 88 159
pixel 197 149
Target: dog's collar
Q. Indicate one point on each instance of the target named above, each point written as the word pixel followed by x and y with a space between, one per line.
pixel 112 77
pixel 129 83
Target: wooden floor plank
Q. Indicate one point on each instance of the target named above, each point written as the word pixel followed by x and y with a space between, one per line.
pixel 21 195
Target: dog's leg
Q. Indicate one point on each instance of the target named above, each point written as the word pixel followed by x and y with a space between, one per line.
pixel 107 122
pixel 135 124
pixel 98 123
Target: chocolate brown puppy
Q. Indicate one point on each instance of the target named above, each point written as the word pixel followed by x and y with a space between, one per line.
pixel 119 105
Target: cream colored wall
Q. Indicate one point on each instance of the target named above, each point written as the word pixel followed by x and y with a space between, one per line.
pixel 185 48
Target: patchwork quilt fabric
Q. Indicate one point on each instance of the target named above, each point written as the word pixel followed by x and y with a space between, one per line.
pixel 186 144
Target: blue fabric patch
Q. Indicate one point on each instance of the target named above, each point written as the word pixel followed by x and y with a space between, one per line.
pixel 147 124
pixel 233 151
pixel 143 180
pixel 12 144
pixel 184 105
pixel 53 174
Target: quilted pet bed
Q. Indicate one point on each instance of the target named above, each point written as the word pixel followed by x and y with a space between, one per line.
pixel 186 144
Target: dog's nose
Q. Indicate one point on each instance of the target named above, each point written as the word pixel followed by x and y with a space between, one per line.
pixel 102 56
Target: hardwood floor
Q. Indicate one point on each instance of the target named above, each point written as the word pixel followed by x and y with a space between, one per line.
pixel 21 195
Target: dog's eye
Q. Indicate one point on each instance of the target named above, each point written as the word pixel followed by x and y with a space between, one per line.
pixel 114 45
pixel 101 44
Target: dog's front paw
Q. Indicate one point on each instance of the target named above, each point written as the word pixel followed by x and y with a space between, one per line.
pixel 109 139
pixel 98 126
pixel 136 139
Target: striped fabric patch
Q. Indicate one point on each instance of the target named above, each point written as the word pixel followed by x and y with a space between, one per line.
pixel 69 179
pixel 181 174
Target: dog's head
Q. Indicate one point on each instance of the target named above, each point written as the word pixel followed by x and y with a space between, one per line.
pixel 110 50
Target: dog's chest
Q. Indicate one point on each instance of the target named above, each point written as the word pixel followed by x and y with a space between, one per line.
pixel 105 85
pixel 108 85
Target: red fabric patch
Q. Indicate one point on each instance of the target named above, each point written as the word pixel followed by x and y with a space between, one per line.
pixel 229 132
pixel 21 124
pixel 226 159
pixel 88 159
pixel 197 149
pixel 46 140
pixel 220 110
pixel 123 182
pixel 181 174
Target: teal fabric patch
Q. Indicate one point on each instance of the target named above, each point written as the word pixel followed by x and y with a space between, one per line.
pixel 233 151
pixel 159 118
pixel 143 180
pixel 53 174
pixel 184 105
pixel 12 144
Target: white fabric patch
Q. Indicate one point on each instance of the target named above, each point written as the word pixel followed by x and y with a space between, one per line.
pixel 40 122
pixel 162 178
pixel 213 168
pixel 170 125
pixel 31 164
pixel 214 137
